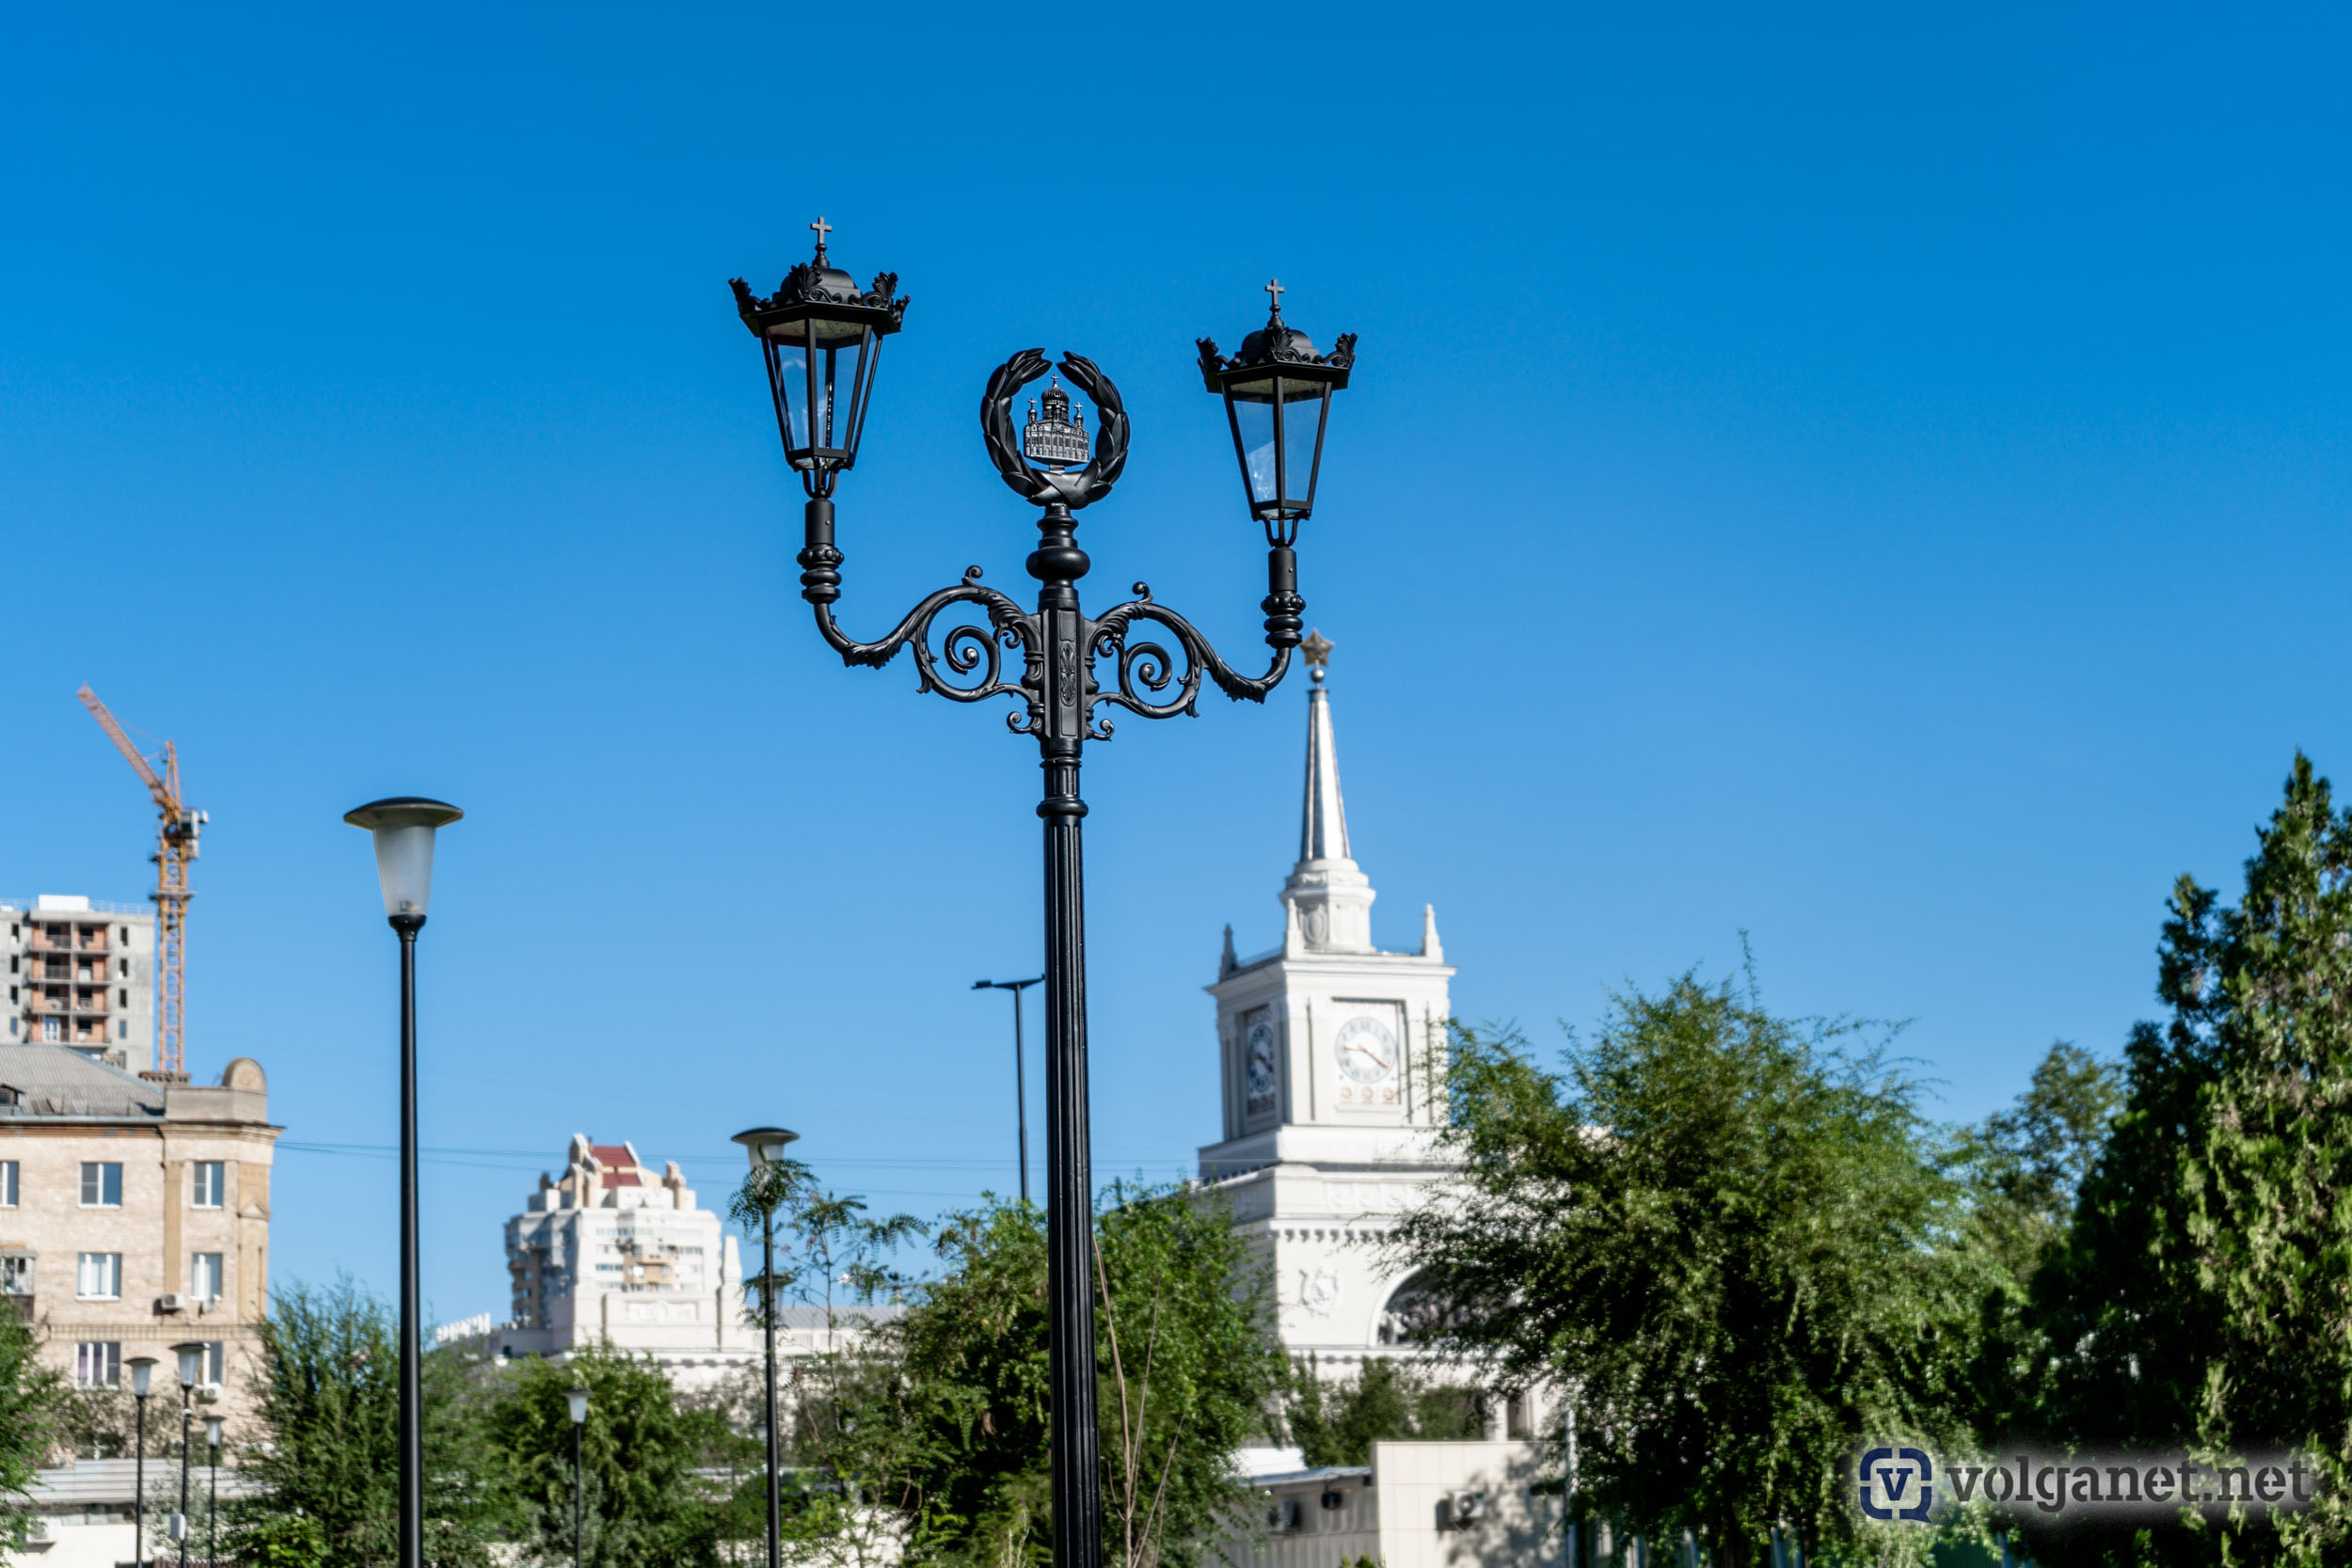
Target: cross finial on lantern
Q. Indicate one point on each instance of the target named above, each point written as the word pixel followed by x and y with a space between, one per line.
pixel 822 229
pixel 1275 291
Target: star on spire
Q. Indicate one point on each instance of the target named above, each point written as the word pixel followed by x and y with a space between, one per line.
pixel 1316 649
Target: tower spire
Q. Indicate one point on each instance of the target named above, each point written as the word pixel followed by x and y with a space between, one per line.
pixel 1327 891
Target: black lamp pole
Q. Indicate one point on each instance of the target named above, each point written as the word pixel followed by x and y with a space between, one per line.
pixel 186 1411
pixel 211 1508
pixel 1277 395
pixel 1020 1070
pixel 404 826
pixel 766 1146
pixel 141 1364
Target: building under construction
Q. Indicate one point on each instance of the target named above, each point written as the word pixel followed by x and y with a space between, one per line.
pixel 82 974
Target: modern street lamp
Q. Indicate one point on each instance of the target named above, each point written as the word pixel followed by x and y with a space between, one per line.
pixel 1020 1070
pixel 1274 389
pixel 142 1370
pixel 577 1400
pixel 765 1145
pixel 191 1355
pixel 212 1507
pixel 404 826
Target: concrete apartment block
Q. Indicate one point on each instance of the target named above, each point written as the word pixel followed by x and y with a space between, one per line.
pixel 81 974
pixel 135 1216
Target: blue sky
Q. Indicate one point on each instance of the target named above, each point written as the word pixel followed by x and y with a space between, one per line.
pixel 1869 478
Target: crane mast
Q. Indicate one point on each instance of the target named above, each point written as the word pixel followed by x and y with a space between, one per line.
pixel 175 849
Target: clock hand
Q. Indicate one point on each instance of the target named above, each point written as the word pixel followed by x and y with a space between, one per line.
pixel 1359 1045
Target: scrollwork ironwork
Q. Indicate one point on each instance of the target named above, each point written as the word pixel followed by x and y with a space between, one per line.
pixel 962 649
pixel 1146 668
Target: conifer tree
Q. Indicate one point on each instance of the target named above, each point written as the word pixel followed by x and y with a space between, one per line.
pixel 2204 1297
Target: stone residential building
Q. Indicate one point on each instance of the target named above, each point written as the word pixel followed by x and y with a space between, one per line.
pixel 135 1216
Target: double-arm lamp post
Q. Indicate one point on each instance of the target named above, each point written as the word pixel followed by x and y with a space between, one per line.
pixel 821 336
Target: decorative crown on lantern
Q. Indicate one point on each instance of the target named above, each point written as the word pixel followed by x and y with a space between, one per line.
pixel 1059 439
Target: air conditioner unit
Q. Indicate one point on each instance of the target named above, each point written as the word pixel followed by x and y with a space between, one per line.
pixel 175 1302
pixel 43 1533
pixel 208 1393
pixel 1465 1509
pixel 1283 1515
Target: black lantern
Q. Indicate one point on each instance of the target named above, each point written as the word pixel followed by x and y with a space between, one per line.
pixel 1278 399
pixel 816 315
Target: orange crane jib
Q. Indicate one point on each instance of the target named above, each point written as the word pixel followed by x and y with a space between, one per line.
pixel 175 848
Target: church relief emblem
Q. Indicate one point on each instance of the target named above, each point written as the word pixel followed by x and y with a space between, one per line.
pixel 1318 1291
pixel 1261 1083
pixel 1370 1054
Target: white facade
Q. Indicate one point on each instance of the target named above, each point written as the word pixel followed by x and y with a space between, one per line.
pixel 81 974
pixel 1333 1060
pixel 614 1254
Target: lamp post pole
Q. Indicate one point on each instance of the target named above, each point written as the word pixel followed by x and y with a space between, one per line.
pixel 211 1506
pixel 404 827
pixel 766 1146
pixel 577 1400
pixel 141 1367
pixel 186 1411
pixel 1019 1071
pixel 821 336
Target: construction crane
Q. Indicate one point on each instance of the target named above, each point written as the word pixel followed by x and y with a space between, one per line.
pixel 175 848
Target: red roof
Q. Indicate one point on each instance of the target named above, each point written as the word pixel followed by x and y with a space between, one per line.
pixel 610 1154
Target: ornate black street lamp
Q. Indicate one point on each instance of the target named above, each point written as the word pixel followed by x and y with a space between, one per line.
pixel 765 1145
pixel 142 1368
pixel 404 827
pixel 1276 388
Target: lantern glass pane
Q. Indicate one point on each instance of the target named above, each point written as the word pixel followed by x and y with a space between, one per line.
pixel 1302 427
pixel 1254 419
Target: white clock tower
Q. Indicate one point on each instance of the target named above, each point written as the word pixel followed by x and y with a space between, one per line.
pixel 1334 1053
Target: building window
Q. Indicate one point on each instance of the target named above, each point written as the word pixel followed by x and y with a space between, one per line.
pixel 9 1192
pixel 126 936
pixel 122 1030
pixel 123 994
pixel 212 1189
pixel 122 967
pixel 97 1363
pixel 52 1029
pixel 16 1273
pixel 205 1276
pixel 102 1184
pixel 99 1277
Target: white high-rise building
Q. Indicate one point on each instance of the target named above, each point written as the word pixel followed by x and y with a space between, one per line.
pixel 1334 1055
pixel 81 974
pixel 616 1253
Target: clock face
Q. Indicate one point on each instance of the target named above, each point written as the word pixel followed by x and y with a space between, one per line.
pixel 1258 1063
pixel 1367 1050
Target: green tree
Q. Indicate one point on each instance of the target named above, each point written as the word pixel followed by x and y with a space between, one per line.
pixel 2203 1295
pixel 1726 1233
pixel 33 1408
pixel 1336 1422
pixel 953 1440
pixel 652 1466
pixel 329 1408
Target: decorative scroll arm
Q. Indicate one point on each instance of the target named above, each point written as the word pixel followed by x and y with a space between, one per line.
pixel 963 649
pixel 1146 668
